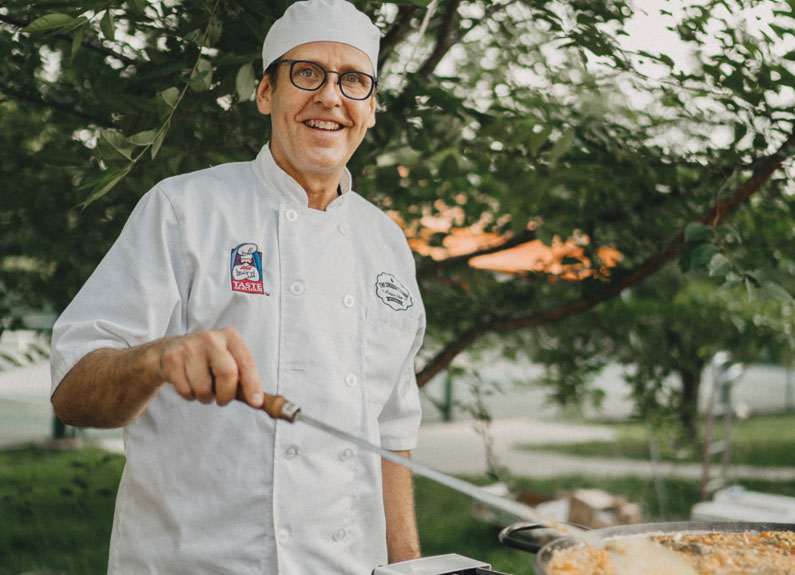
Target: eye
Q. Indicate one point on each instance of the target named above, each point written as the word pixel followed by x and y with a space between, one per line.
pixel 352 78
pixel 305 71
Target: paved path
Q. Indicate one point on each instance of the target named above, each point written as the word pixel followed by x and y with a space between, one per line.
pixel 458 448
pixel 454 448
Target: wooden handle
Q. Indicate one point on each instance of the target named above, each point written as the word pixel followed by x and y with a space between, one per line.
pixel 275 405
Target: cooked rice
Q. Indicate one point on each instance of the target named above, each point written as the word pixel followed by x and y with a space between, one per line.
pixel 747 553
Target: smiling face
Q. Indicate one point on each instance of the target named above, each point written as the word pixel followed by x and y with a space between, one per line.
pixel 314 134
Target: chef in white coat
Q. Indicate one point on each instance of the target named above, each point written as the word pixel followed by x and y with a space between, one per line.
pixel 166 332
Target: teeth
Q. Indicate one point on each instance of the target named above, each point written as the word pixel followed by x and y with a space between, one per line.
pixel 322 125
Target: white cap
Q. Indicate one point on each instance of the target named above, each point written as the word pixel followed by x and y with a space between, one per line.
pixel 321 21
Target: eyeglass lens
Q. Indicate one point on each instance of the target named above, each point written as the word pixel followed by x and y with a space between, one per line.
pixel 310 76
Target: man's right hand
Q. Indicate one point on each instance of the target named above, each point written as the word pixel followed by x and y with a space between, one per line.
pixel 111 387
pixel 210 365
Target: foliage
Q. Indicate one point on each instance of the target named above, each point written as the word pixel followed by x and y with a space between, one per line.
pixel 668 328
pixel 510 112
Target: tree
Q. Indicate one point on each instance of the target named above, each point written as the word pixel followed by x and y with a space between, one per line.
pixel 523 117
pixel 668 328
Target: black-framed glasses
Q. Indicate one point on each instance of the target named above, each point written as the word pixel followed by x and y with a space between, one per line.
pixel 311 76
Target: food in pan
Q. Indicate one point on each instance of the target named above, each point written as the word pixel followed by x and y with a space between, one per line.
pixel 710 553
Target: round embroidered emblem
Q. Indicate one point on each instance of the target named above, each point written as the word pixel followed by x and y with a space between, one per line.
pixel 392 292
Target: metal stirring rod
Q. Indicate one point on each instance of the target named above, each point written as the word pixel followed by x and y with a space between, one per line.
pixel 279 408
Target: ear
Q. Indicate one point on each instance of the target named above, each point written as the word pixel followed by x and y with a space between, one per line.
pixel 371 117
pixel 264 95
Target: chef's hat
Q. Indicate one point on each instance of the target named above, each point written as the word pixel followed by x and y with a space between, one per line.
pixel 321 21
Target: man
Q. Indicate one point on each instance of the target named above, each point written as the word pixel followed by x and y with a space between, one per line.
pixel 332 320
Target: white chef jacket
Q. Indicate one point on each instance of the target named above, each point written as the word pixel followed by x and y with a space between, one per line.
pixel 334 320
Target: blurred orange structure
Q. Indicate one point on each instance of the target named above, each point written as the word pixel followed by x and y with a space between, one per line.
pixel 564 259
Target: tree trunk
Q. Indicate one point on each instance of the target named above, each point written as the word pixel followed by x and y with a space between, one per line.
pixel 688 408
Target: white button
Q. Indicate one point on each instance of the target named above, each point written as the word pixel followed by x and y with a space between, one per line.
pixel 339 534
pixel 291 215
pixel 282 535
pixel 346 454
pixel 291 452
pixel 297 288
pixel 351 380
pixel 349 300
pixel 343 230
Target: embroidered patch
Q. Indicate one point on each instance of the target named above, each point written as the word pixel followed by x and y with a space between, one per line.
pixel 246 269
pixel 393 293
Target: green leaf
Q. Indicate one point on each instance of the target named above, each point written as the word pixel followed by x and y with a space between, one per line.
pixel 777 292
pixel 244 82
pixel 751 288
pixel 562 146
pixel 202 77
pixel 107 26
pixel 106 184
pixel 755 277
pixel 142 138
pixel 161 135
pixel 52 21
pixel 719 265
pixel 538 140
pixel 697 232
pixel 702 255
pixel 118 142
pixel 137 5
pixel 170 96
pixel 77 41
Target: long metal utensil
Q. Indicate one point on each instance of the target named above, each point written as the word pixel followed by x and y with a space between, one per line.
pixel 636 557
pixel 279 408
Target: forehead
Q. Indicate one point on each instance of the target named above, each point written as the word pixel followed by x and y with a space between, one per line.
pixel 332 55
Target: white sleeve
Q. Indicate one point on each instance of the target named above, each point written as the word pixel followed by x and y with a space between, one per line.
pixel 135 295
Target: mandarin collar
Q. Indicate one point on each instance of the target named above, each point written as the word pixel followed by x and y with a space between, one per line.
pixel 288 187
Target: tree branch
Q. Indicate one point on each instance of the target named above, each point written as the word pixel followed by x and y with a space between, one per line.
pixel 86 43
pixel 36 99
pixel 762 172
pixel 397 31
pixel 444 38
pixel 449 35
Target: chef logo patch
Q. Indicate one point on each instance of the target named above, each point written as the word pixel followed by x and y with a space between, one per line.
pixel 246 269
pixel 393 293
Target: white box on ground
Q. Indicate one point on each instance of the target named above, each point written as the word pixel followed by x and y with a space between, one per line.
pixel 735 503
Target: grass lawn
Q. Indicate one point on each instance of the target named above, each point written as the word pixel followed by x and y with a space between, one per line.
pixel 56 509
pixel 766 440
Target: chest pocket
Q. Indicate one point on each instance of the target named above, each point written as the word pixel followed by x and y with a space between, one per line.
pixel 389 336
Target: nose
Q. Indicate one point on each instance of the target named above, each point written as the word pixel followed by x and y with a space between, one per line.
pixel 329 93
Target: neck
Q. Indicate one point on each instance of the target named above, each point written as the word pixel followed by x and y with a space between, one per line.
pixel 321 187
pixel 320 193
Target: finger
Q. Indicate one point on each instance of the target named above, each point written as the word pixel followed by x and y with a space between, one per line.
pixel 248 371
pixel 224 371
pixel 172 366
pixel 197 350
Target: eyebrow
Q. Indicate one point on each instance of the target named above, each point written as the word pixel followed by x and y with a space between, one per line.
pixel 365 66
